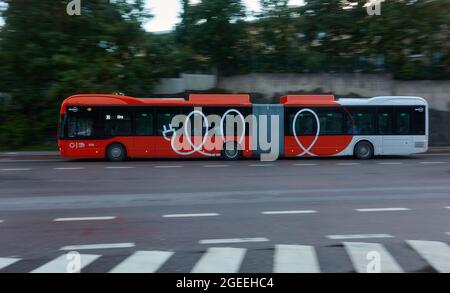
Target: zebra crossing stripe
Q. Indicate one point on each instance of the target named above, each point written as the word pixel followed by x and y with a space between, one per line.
pixel 143 262
pixel 371 257
pixel 436 253
pixel 63 264
pixel 295 259
pixel 7 261
pixel 220 260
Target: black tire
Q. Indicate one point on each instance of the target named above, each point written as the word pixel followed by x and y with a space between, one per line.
pixel 363 150
pixel 231 151
pixel 116 152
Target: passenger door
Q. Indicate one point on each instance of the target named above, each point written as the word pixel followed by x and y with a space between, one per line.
pixel 144 121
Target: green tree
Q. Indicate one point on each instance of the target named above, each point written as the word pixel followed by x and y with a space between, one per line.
pixel 277 43
pixel 46 55
pixel 211 32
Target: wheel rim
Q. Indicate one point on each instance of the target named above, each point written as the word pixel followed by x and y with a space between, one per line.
pixel 364 151
pixel 116 152
pixel 231 151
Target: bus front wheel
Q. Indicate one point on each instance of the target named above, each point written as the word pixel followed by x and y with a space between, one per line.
pixel 116 152
pixel 363 150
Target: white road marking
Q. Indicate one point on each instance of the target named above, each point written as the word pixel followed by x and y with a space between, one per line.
pixel 448 233
pixel 295 259
pixel 143 262
pixel 382 210
pixel 360 254
pixel 358 236
pixel 429 163
pixel 348 164
pixel 121 167
pixel 70 168
pixel 84 219
pixel 390 163
pixel 11 153
pixel 220 260
pixel 97 246
pixel 216 166
pixel 7 261
pixel 436 253
pixel 305 164
pixel 233 240
pixel 261 165
pixel 62 263
pixel 289 212
pixel 191 215
pixel 16 169
pixel 447 207
pixel 169 166
pixel 1 221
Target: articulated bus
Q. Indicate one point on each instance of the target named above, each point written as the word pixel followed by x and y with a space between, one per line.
pixel 116 127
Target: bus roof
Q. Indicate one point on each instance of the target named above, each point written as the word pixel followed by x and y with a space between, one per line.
pixel 330 100
pixel 194 99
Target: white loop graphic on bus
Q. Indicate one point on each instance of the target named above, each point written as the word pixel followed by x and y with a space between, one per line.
pixel 308 149
pixel 198 148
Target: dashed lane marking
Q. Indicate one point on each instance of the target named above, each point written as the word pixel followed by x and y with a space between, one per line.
pixel 289 212
pixel 168 166
pixel 84 219
pixel 191 215
pixel 382 210
pixel 233 240
pixel 358 236
pixel 98 246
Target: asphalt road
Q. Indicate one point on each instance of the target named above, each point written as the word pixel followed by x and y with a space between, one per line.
pixel 306 215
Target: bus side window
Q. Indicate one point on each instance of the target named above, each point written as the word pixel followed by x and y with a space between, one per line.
pixel 164 116
pixel 403 125
pixel 117 122
pixel 305 125
pixel 331 121
pixel 361 122
pixel 144 122
pixel 385 121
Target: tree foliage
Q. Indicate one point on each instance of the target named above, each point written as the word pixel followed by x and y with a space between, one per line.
pixel 46 55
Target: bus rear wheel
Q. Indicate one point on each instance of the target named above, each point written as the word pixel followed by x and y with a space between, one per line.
pixel 116 152
pixel 231 151
pixel 363 150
